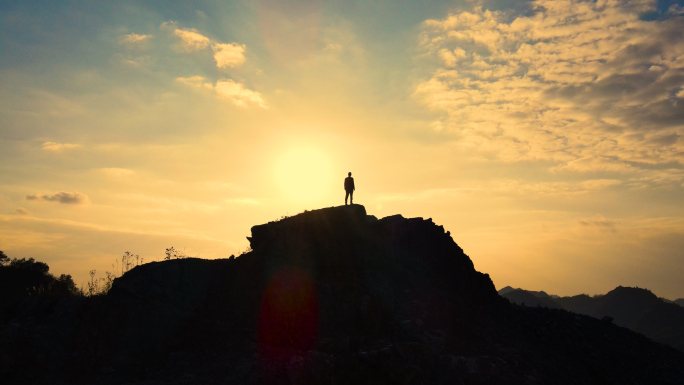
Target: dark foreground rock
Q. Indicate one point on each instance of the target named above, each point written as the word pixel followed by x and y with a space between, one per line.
pixel 330 296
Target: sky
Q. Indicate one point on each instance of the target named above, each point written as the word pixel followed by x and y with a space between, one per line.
pixel 546 136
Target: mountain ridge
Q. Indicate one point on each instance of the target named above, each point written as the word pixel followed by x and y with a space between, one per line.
pixel 326 295
pixel 631 307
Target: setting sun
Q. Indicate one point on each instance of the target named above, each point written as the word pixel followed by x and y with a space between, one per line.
pixel 304 174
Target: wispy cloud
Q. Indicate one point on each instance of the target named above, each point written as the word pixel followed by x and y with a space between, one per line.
pixel 59 147
pixel 60 197
pixel 190 38
pixel 134 39
pixel 595 163
pixel 116 172
pixel 238 94
pixel 507 187
pixel 65 223
pixel 22 211
pixel 586 84
pixel 229 55
pixel 195 82
pixel 599 221
pixel 227 89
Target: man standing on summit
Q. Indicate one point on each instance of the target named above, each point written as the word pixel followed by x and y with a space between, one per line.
pixel 349 188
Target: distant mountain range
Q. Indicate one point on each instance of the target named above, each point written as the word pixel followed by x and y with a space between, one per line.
pixel 637 309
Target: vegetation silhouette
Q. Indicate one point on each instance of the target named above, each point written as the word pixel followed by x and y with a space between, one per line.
pixel 172 253
pixel 24 278
pixel 102 285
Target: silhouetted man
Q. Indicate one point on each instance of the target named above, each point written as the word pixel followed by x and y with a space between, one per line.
pixel 349 188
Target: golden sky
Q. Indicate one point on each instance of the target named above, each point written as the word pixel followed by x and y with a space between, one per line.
pixel 544 135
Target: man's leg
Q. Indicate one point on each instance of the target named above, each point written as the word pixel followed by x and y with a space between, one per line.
pixel 351 197
pixel 345 198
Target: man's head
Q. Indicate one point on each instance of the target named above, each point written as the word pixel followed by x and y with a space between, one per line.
pixel 350 174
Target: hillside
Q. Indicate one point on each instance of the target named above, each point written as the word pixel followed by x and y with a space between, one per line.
pixel 634 308
pixel 529 298
pixel 326 296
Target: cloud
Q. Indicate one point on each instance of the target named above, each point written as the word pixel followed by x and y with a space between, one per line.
pixel 595 163
pixel 506 187
pixel 134 39
pixel 59 147
pixel 588 85
pixel 61 197
pixel 190 38
pixel 229 55
pixel 22 211
pixel 226 55
pixel 600 184
pixel 238 94
pixel 600 222
pixel 195 82
pixel 227 89
pixel 451 57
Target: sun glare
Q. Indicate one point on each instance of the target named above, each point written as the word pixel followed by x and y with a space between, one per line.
pixel 304 174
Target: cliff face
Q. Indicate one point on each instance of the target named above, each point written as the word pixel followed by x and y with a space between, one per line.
pixel 331 295
pixel 402 268
pixel 368 275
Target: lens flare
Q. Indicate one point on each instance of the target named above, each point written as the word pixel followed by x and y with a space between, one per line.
pixel 288 316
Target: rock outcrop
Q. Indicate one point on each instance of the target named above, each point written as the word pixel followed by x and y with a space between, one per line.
pixel 326 296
